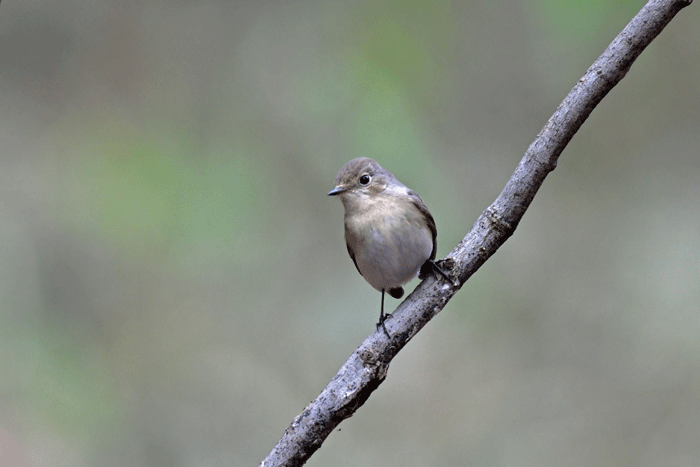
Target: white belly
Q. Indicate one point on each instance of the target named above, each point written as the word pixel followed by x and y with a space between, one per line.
pixel 389 252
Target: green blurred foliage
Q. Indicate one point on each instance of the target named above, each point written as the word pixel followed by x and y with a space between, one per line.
pixel 69 391
pixel 166 199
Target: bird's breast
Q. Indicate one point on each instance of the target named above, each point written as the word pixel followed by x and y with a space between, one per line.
pixel 390 241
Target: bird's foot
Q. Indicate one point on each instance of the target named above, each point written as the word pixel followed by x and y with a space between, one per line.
pixel 432 266
pixel 383 318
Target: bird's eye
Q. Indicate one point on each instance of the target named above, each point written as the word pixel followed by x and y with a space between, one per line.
pixel 365 179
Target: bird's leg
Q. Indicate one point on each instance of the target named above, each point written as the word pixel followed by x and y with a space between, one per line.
pixel 383 317
pixel 432 265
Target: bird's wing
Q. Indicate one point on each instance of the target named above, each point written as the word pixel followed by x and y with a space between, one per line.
pixel 352 255
pixel 418 202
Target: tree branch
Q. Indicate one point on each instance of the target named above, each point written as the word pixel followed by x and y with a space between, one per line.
pixel 367 367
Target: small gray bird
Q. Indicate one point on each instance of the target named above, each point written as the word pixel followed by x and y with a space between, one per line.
pixel 389 232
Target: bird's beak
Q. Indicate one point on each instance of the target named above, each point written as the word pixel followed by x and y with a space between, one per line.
pixel 336 191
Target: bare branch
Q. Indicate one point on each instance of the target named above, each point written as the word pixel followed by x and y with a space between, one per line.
pixel 367 367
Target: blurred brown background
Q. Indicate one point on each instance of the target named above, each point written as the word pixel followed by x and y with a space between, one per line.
pixel 173 278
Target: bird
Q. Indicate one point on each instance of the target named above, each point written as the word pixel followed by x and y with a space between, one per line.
pixel 390 235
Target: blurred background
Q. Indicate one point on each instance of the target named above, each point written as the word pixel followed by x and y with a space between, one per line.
pixel 174 284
